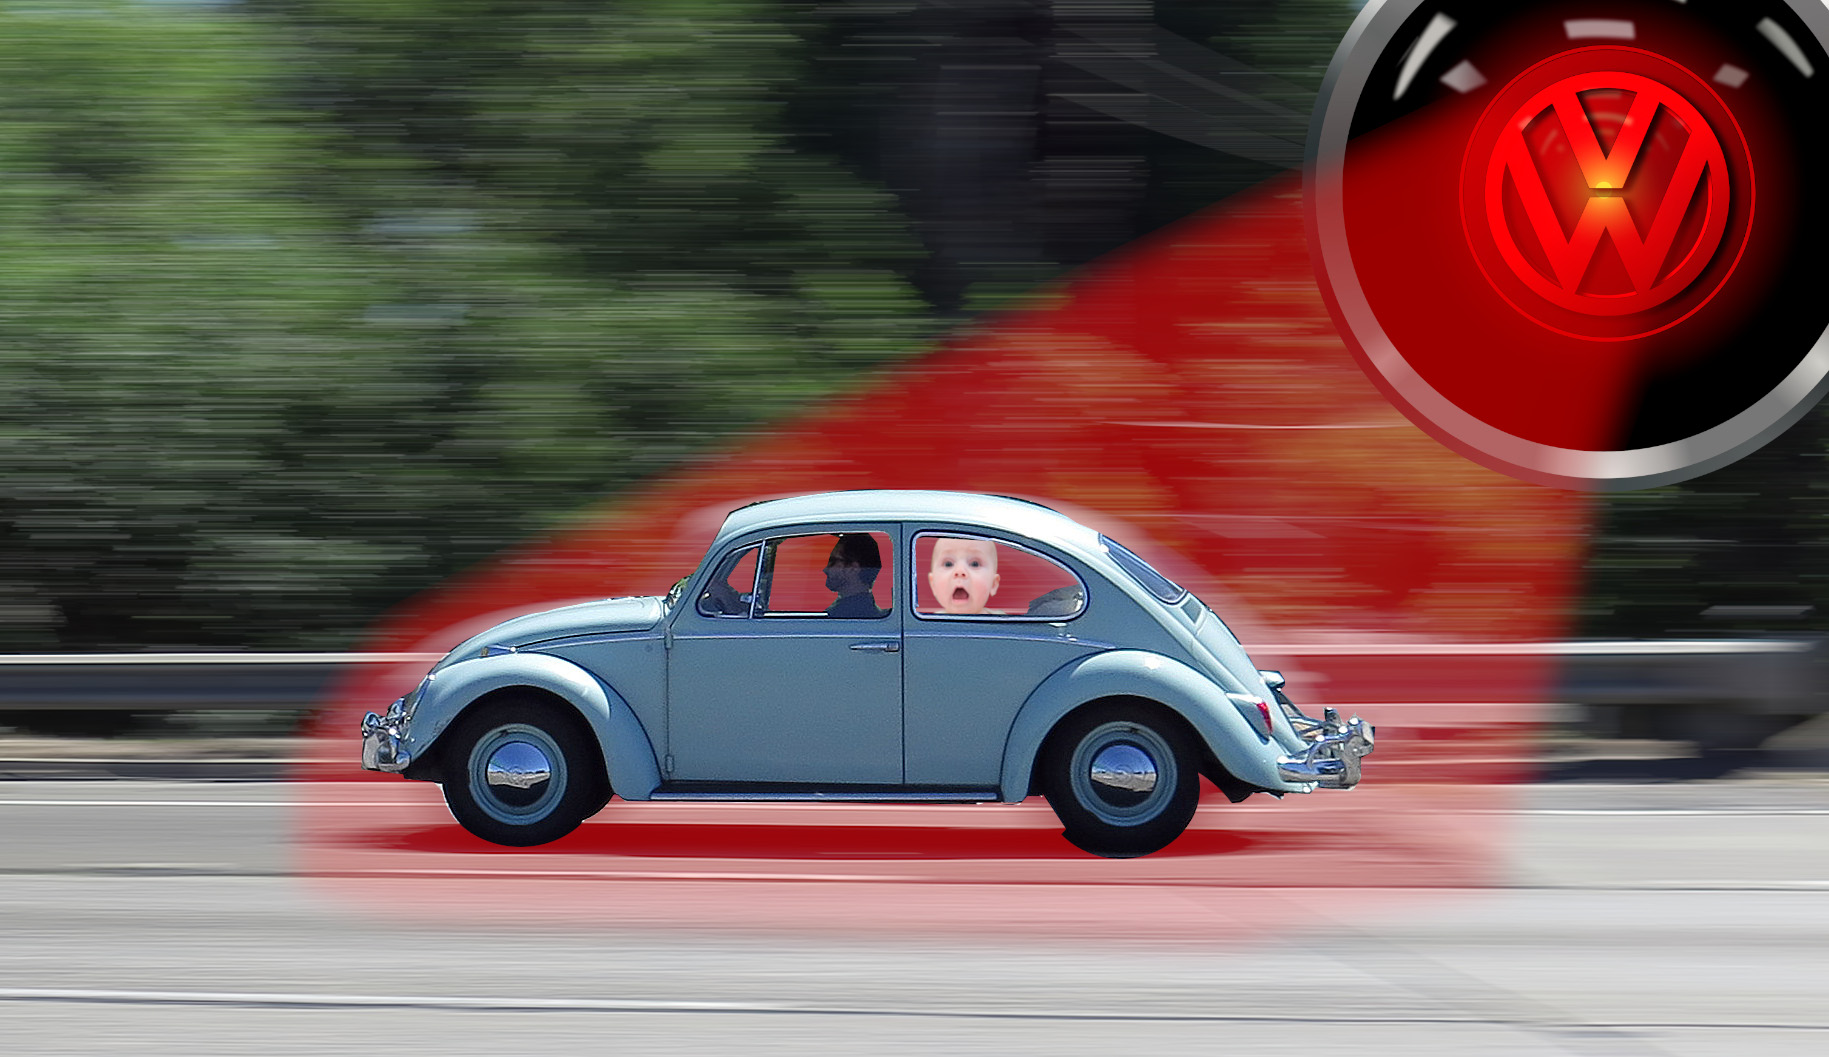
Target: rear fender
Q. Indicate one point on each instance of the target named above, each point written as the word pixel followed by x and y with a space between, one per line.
pixel 1241 749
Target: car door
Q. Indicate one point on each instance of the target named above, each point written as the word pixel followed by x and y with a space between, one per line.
pixel 793 682
pixel 989 618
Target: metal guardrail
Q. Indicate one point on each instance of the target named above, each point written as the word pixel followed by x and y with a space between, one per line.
pixel 1771 694
pixel 173 682
pixel 1760 676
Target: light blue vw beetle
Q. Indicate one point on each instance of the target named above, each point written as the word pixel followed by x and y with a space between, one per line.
pixel 883 646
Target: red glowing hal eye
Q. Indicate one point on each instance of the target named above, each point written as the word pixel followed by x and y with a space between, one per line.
pixel 1603 302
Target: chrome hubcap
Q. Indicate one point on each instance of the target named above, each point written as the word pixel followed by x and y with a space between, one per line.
pixel 516 772
pixel 1123 775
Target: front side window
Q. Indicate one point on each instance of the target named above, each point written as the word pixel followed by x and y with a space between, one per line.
pixel 978 577
pixel 843 575
pixel 732 587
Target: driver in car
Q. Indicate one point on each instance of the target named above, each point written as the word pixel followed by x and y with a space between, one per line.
pixel 851 572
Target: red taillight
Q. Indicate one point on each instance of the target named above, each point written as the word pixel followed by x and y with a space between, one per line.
pixel 1246 702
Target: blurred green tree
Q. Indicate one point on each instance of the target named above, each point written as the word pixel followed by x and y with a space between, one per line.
pixel 312 304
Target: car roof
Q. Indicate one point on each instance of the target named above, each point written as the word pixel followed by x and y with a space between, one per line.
pixel 1018 516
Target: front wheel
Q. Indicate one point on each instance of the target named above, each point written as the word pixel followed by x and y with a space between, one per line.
pixel 519 772
pixel 1122 778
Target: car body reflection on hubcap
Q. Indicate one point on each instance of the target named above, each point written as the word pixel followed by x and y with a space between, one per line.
pixel 1123 773
pixel 517 772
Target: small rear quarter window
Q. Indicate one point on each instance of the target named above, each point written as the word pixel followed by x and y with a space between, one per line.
pixel 1153 582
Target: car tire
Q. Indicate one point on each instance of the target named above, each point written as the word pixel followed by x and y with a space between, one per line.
pixel 521 772
pixel 1122 777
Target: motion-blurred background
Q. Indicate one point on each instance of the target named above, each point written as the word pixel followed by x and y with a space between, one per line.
pixel 310 305
pixel 314 310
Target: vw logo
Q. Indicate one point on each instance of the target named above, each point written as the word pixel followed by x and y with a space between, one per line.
pixel 1605 194
pixel 1578 243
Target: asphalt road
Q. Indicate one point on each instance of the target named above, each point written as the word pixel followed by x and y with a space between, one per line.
pixel 231 918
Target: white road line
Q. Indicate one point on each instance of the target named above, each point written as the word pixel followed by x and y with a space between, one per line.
pixel 308 1000
pixel 270 998
pixel 506 1004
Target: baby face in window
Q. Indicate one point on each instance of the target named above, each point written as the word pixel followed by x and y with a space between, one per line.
pixel 963 574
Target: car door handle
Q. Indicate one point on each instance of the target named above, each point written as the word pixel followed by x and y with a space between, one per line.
pixel 878 647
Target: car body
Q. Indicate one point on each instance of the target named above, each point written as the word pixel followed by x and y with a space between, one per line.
pixel 996 649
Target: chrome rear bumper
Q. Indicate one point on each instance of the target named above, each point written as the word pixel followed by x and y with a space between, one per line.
pixel 1331 760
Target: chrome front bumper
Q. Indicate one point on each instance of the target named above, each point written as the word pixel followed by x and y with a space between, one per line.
pixel 1331 760
pixel 384 740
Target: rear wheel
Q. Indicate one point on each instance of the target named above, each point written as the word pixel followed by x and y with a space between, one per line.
pixel 520 772
pixel 1122 778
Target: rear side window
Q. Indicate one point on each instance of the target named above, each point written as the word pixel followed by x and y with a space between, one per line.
pixel 1153 582
pixel 975 577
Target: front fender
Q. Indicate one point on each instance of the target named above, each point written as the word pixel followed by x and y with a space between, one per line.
pixel 1241 749
pixel 628 754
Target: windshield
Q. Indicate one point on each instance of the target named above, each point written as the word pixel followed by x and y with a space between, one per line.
pixel 1153 582
pixel 673 593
